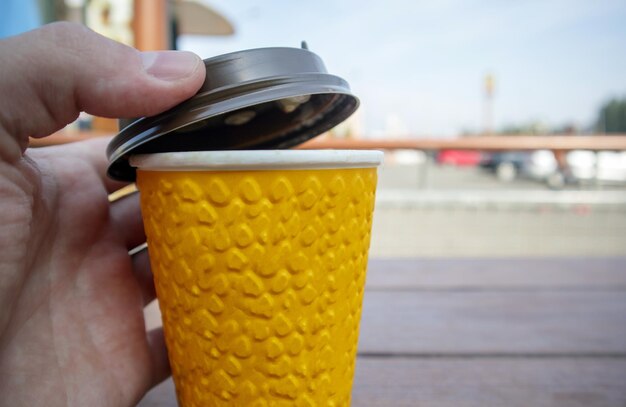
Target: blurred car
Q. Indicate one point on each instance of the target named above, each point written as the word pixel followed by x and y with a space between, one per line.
pixel 538 165
pixel 541 165
pixel 506 165
pixel 461 158
pixel 603 166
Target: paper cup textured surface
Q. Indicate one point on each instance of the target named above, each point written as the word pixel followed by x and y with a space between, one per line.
pixel 260 278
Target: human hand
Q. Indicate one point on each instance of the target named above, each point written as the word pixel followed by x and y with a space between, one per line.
pixel 71 298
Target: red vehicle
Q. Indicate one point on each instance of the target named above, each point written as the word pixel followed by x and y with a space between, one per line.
pixel 461 158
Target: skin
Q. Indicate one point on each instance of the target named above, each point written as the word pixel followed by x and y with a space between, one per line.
pixel 71 298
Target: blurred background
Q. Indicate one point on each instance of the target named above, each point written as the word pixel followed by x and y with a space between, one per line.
pixel 503 122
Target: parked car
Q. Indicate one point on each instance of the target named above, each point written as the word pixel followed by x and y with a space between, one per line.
pixel 603 166
pixel 541 165
pixel 462 158
pixel 507 165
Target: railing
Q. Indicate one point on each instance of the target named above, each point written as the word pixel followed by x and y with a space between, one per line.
pixel 483 143
pixel 64 137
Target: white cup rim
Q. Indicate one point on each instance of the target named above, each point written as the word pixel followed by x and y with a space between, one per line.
pixel 237 160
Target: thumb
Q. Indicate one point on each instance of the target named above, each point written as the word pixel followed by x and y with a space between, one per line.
pixel 49 75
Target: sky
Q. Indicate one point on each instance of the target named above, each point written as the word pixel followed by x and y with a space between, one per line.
pixel 17 16
pixel 418 67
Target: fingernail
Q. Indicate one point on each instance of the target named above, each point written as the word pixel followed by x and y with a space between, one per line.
pixel 170 65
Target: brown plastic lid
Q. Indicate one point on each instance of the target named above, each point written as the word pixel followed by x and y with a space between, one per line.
pixel 266 98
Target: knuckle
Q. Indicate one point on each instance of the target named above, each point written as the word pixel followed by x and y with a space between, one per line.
pixel 64 32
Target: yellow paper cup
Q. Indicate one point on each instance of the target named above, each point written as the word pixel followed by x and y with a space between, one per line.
pixel 259 261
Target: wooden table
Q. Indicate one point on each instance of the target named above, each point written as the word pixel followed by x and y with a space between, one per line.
pixel 488 332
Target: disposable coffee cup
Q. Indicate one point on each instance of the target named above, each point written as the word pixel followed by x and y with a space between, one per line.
pixel 259 261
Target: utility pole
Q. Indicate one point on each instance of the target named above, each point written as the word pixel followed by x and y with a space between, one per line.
pixel 489 85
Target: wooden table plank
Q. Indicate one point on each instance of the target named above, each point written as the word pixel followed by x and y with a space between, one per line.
pixel 488 382
pixel 468 382
pixel 497 273
pixel 534 322
pixel 162 395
